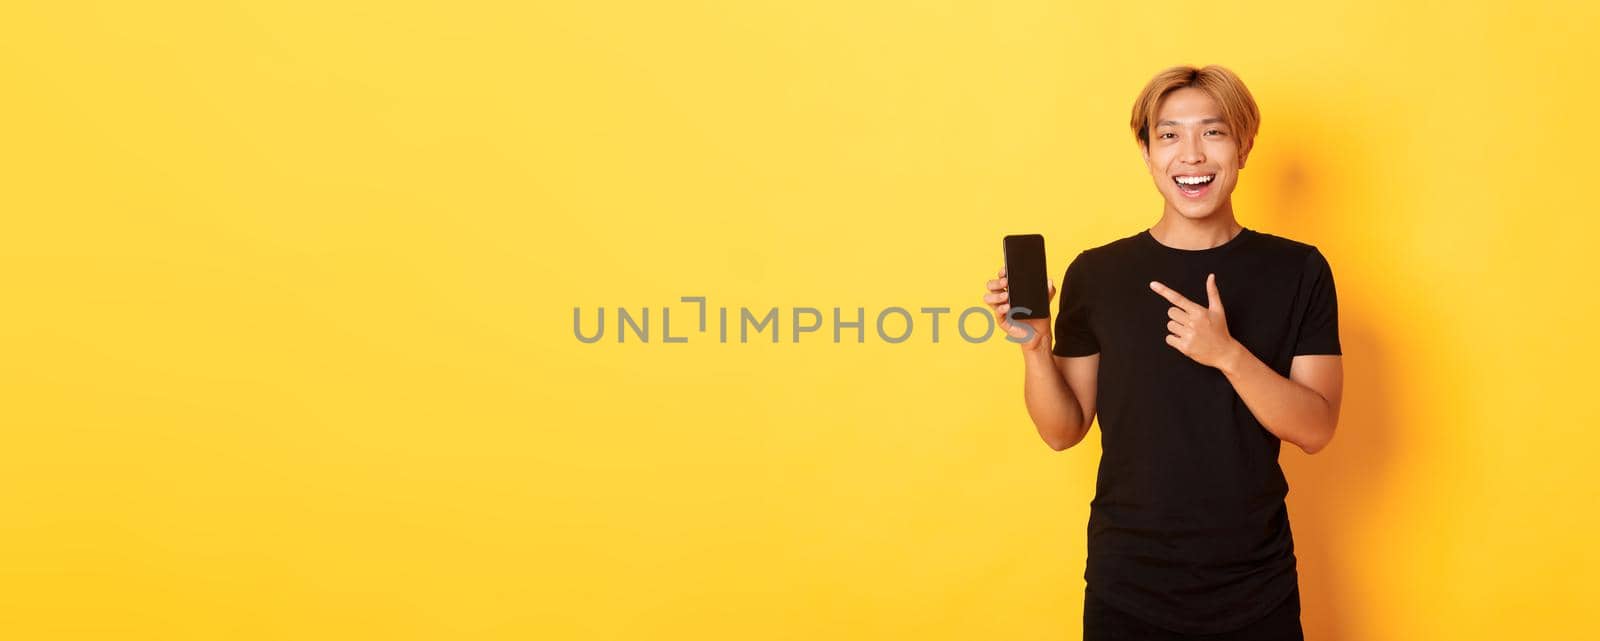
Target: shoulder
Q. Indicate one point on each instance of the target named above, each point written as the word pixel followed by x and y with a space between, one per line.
pixel 1123 248
pixel 1273 241
pixel 1290 251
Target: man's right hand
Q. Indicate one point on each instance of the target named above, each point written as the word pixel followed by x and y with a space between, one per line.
pixel 999 300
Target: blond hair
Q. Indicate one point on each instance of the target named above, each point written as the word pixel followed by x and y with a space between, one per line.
pixel 1238 107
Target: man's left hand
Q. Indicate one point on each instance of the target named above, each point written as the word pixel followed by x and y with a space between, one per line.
pixel 1200 332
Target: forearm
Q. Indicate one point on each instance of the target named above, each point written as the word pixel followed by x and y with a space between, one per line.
pixel 1291 411
pixel 1054 409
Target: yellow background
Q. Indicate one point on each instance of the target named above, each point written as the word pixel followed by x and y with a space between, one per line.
pixel 288 288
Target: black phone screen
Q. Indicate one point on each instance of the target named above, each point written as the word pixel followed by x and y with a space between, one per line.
pixel 1026 279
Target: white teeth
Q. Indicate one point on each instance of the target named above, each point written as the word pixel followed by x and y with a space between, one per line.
pixel 1194 180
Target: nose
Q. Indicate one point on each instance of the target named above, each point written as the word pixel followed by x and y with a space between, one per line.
pixel 1191 151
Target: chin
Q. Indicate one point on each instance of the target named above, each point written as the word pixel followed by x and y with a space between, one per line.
pixel 1195 211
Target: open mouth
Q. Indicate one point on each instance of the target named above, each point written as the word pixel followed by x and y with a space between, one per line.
pixel 1194 186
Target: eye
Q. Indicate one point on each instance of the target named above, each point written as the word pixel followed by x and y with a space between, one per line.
pixel 1163 135
pixel 1217 131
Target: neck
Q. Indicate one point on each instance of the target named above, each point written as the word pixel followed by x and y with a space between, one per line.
pixel 1180 232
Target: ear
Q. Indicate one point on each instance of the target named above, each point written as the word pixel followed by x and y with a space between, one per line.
pixel 1244 152
pixel 1144 151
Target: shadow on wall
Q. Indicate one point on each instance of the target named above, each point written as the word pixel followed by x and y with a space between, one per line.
pixel 1328 491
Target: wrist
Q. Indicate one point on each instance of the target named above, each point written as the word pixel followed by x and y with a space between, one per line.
pixel 1039 353
pixel 1233 358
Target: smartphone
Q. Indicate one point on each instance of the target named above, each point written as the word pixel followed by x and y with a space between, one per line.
pixel 1025 276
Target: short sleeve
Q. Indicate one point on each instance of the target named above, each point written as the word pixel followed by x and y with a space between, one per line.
pixel 1319 324
pixel 1072 333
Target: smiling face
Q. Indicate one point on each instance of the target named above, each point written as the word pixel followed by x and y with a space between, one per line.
pixel 1194 155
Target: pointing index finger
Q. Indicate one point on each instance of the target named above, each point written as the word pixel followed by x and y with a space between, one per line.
pixel 1174 297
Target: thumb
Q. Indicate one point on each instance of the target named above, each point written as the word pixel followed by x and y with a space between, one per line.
pixel 1213 297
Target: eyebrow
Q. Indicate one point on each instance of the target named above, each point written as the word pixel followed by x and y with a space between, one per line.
pixel 1174 122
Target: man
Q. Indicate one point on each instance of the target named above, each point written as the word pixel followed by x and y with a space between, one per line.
pixel 1203 344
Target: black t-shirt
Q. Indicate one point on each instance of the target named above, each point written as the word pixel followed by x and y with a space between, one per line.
pixel 1188 528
